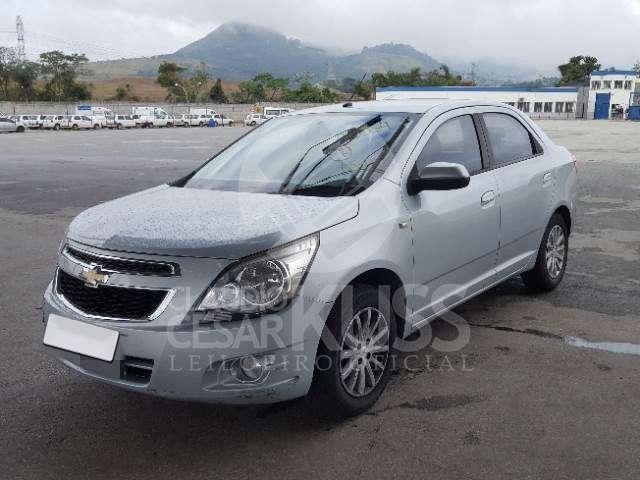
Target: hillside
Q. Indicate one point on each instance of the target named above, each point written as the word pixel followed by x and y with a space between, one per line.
pixel 239 51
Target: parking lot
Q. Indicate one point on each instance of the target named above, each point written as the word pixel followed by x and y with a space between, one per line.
pixel 521 400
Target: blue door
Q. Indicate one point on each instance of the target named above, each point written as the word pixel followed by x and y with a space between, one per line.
pixel 603 103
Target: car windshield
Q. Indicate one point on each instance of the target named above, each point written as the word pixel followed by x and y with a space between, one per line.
pixel 326 154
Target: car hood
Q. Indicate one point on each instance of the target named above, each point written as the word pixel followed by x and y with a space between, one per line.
pixel 193 222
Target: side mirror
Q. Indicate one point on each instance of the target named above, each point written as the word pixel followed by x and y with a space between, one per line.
pixel 439 176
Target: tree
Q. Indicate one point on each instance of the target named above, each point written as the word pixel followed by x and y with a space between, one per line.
pixel 125 93
pixel 273 87
pixel 415 78
pixel 216 94
pixel 61 71
pixel 8 62
pixel 250 91
pixel 169 76
pixel 197 82
pixel 577 70
pixel 25 75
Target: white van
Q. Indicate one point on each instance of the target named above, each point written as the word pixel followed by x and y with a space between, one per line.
pixel 101 117
pixel 151 117
pixel 271 112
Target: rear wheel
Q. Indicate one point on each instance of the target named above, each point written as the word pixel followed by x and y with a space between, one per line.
pixel 20 129
pixel 56 126
pixel 353 370
pixel 74 127
pixel 231 123
pixel 96 126
pixel 551 262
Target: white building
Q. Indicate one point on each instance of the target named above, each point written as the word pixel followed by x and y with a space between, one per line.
pixel 611 89
pixel 543 102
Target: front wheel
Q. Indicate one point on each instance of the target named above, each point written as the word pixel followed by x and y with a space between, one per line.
pixel 551 262
pixel 96 126
pixel 20 129
pixel 230 124
pixel 354 357
pixel 56 127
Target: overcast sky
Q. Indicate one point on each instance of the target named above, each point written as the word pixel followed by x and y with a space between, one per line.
pixel 536 33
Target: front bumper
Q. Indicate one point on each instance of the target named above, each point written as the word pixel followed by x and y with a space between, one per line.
pixel 200 362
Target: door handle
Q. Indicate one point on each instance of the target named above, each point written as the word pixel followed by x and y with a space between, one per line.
pixel 487 199
pixel 546 179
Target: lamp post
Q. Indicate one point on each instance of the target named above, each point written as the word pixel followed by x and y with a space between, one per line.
pixel 186 95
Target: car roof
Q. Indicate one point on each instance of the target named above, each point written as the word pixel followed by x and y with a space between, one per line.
pixel 421 105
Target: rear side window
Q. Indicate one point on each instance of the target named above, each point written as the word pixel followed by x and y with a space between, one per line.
pixel 510 141
pixel 455 141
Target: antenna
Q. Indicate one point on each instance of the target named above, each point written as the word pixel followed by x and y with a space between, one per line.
pixel 20 50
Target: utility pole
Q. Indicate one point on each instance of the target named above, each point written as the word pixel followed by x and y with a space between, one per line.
pixel 20 50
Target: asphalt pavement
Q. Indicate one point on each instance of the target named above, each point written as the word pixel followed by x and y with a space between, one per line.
pixel 521 400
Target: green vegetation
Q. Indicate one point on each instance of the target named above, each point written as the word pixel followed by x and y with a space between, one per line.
pixel 125 93
pixel 57 70
pixel 416 78
pixel 577 71
pixel 264 87
pixel 216 94
pixel 181 88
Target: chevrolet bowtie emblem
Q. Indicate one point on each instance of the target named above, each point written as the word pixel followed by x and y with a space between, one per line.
pixel 93 276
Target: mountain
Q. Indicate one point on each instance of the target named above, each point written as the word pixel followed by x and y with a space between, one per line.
pixel 382 58
pixel 239 51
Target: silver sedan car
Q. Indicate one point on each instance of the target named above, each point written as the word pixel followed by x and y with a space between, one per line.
pixel 301 257
pixel 8 125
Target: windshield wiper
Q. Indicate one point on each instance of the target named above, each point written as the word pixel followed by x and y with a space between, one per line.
pixel 350 135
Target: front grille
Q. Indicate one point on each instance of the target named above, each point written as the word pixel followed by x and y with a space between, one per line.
pixel 108 301
pixel 125 265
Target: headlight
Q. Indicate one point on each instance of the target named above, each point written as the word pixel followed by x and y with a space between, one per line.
pixel 264 282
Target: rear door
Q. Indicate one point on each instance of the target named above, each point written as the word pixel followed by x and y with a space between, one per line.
pixel 525 178
pixel 455 231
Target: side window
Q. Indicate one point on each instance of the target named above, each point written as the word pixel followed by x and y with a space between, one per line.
pixel 509 140
pixel 455 141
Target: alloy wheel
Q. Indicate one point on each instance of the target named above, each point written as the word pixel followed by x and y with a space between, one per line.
pixel 364 352
pixel 555 251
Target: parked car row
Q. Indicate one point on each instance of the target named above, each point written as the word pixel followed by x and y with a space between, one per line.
pixel 88 117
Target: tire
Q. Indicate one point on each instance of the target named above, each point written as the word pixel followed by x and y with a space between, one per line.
pixel 74 127
pixel 118 126
pixel 56 126
pixel 551 262
pixel 20 129
pixel 201 124
pixel 230 124
pixel 348 396
pixel 253 124
pixel 169 125
pixel 96 126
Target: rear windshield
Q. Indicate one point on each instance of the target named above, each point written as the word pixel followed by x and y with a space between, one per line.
pixel 327 154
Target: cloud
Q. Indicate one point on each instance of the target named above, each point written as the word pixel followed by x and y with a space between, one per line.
pixel 535 34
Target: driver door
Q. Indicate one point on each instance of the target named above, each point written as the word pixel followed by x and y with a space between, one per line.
pixel 455 232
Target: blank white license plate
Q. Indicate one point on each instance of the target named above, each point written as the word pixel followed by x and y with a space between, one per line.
pixel 80 337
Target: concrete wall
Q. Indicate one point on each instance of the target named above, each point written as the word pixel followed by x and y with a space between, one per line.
pixel 237 112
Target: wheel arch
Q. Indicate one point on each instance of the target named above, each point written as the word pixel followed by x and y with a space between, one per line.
pixel 385 277
pixel 565 213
